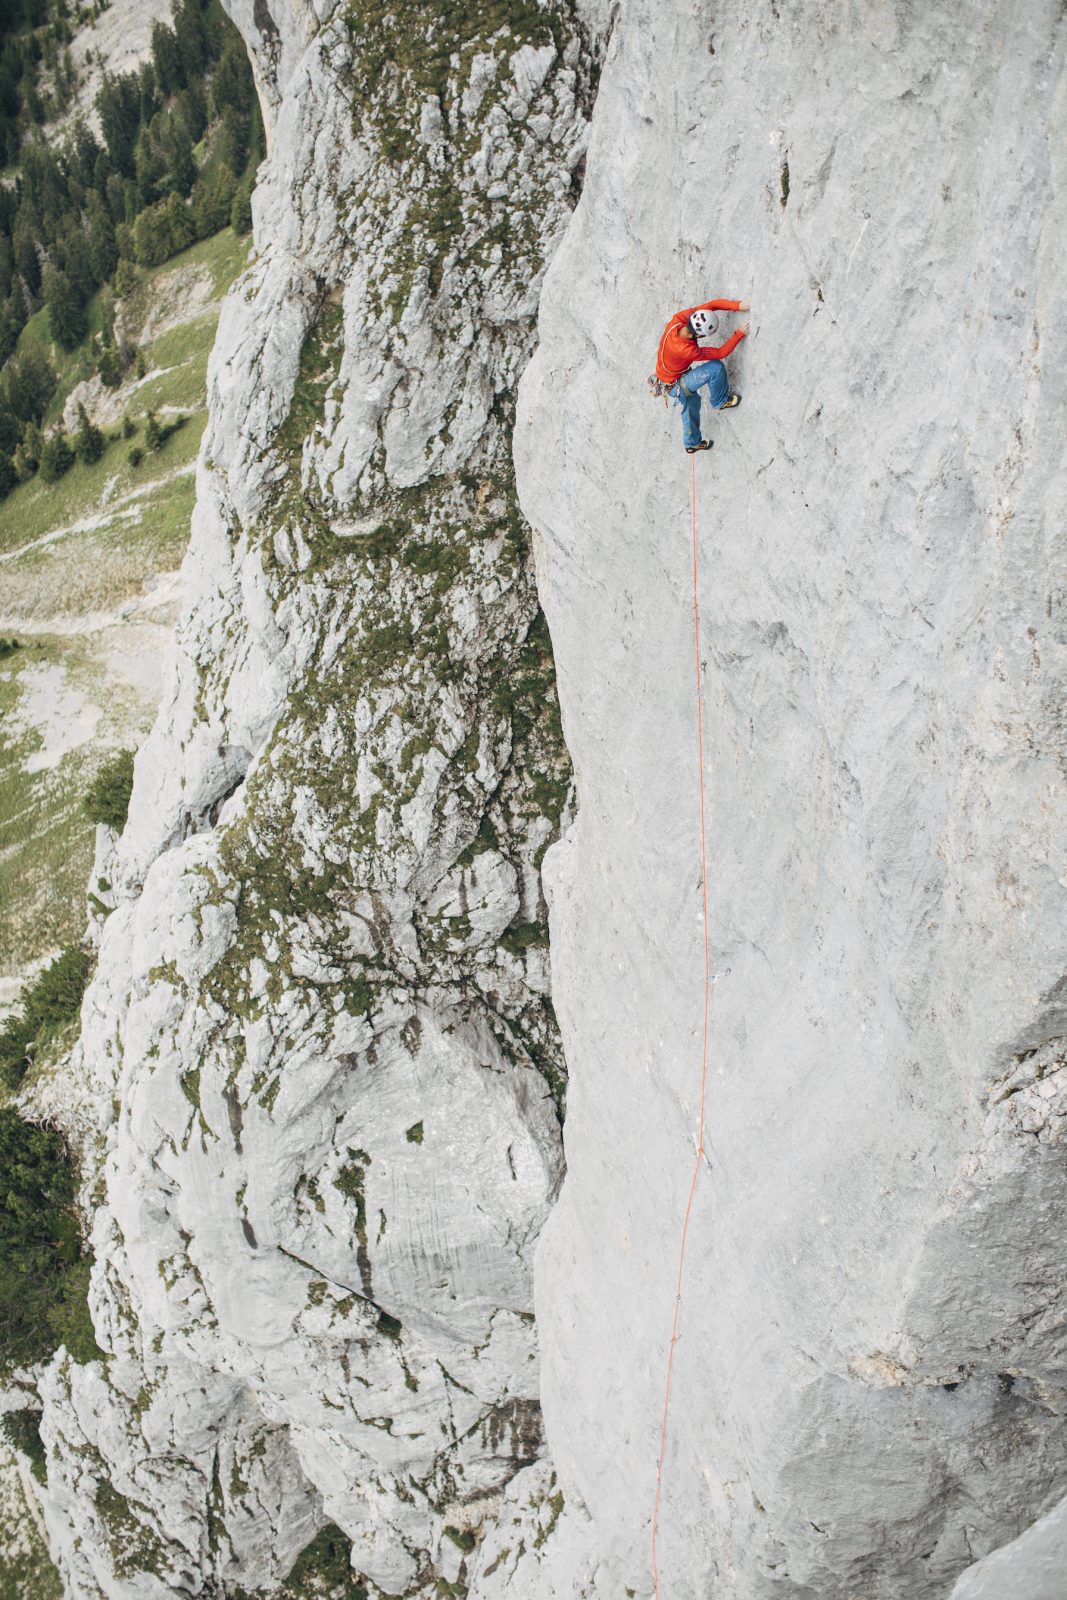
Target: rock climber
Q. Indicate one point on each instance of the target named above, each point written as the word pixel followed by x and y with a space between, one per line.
pixel 684 367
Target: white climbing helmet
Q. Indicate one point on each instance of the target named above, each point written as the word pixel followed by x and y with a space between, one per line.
pixel 703 323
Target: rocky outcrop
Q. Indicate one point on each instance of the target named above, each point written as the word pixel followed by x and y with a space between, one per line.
pixel 1029 1568
pixel 320 1071
pixel 868 1386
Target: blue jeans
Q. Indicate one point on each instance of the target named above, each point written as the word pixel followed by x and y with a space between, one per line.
pixel 710 375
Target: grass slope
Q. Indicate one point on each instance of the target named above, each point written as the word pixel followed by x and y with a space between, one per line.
pixel 87 546
pixel 26 1573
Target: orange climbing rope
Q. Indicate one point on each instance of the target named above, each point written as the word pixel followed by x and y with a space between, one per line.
pixel 704 1053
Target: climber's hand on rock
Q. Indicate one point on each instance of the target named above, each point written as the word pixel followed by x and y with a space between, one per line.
pixel 743 328
pixel 743 305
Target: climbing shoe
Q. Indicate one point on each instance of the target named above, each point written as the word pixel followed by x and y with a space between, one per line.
pixel 705 444
pixel 728 405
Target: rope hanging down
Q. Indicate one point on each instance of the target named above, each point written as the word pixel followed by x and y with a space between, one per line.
pixel 704 1054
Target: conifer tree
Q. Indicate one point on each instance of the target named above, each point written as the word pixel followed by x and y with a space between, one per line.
pixel 107 316
pixel 84 152
pixel 232 143
pixel 12 316
pixel 103 252
pixel 126 277
pixel 118 106
pixel 9 429
pixel 115 195
pixel 163 230
pixel 74 259
pixel 29 383
pixel 88 441
pixel 167 59
pixel 66 310
pixel 213 198
pixel 192 108
pixel 232 87
pixel 28 262
pixel 147 92
pixel 111 367
pixel 191 37
pixel 101 173
pixel 178 154
pixel 31 445
pixel 241 209
pixel 56 457
pixel 151 172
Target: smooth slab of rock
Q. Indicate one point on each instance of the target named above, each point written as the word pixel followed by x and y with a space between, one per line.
pixel 869 1376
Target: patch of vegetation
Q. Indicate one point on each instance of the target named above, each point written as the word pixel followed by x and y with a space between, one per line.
pixel 413 46
pixel 414 1134
pixel 85 210
pixel 45 849
pixel 23 1432
pixel 427 548
pixel 462 1538
pixel 401 59
pixel 319 355
pixel 528 696
pixel 406 705
pixel 45 846
pixel 523 936
pixel 135 1545
pixel 360 996
pixel 26 1571
pixel 108 799
pixel 555 1508
pixel 57 457
pixel 485 839
pixel 43 1271
pixel 324 1568
pixel 26 45
pixel 351 1181
pixel 37 508
pixel 48 1011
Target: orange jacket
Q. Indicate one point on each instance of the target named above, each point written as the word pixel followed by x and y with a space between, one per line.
pixel 678 350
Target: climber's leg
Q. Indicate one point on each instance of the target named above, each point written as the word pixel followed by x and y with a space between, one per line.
pixel 690 404
pixel 710 375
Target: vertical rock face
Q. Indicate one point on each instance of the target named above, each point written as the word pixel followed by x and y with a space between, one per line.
pixel 321 1074
pixel 869 1384
pixel 320 1060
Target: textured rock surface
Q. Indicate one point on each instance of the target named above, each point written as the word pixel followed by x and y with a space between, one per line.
pixel 1030 1568
pixel 869 1385
pixel 320 1073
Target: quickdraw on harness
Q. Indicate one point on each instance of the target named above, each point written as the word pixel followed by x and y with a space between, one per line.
pixel 665 391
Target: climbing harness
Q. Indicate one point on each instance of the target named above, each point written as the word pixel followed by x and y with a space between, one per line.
pixel 667 392
pixel 709 980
